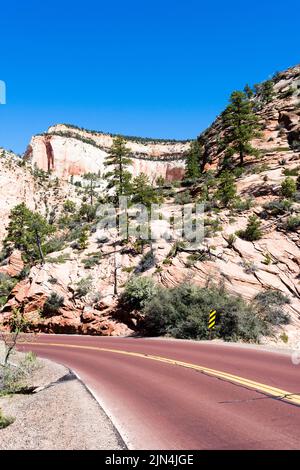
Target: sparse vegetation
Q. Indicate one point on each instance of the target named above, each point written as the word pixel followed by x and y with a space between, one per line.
pixel 271 302
pixel 52 305
pixel 278 207
pixel 83 287
pixel 5 420
pixel 138 292
pixel 183 312
pixel 288 187
pixel 253 230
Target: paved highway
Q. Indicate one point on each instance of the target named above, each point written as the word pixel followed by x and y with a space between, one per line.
pixel 168 394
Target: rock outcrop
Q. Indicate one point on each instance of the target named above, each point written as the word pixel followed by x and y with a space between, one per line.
pixel 70 151
pixel 279 119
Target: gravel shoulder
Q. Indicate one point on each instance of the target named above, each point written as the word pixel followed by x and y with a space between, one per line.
pixel 62 415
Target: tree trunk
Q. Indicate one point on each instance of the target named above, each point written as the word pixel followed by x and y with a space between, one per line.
pixel 91 195
pixel 38 242
pixel 115 275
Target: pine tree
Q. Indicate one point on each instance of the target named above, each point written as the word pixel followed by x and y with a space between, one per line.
pixel 92 178
pixel 241 126
pixel 253 230
pixel 248 91
pixel 265 91
pixel 192 165
pixel 118 158
pixel 227 188
pixel 27 231
pixel 143 191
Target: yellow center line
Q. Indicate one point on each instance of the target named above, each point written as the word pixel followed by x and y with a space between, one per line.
pixel 260 387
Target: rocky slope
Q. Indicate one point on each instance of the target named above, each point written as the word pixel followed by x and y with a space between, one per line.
pixel 246 268
pixel 70 151
pixel 279 119
pixel 19 183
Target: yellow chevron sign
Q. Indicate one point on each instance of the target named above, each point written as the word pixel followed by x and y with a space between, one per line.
pixel 212 319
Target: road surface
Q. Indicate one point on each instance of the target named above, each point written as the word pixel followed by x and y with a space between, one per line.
pixel 168 394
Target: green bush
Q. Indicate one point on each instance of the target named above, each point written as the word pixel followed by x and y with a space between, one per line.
pixel 53 245
pixel 227 188
pixel 92 259
pixel 83 287
pixel 288 187
pixel 147 262
pixel 5 420
pixel 183 312
pixel 278 207
pixel 270 302
pixel 253 231
pixel 182 198
pixel 291 171
pixel 6 285
pixel 293 223
pixel 52 305
pixel 241 205
pixel 138 292
pixel 69 206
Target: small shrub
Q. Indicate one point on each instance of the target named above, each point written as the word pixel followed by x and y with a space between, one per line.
pixel 52 305
pixel 231 240
pixel 128 269
pixel 267 259
pixel 5 420
pixel 253 231
pixel 278 207
pixel 83 287
pixel 293 223
pixel 288 187
pixel 92 260
pixel 147 262
pixel 272 297
pixel 53 245
pixel 270 302
pixel 284 337
pixel 182 198
pixel 291 171
pixel 69 206
pixel 249 267
pixel 196 257
pixel 138 292
pixel 260 168
pixel 241 205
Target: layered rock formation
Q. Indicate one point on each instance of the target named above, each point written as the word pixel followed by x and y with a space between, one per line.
pixel 70 151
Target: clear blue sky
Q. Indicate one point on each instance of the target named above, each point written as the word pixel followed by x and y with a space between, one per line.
pixel 160 68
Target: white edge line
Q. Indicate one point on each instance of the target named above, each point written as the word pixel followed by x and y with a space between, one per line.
pixel 118 427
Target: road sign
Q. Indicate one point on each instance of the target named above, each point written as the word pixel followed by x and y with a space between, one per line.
pixel 212 319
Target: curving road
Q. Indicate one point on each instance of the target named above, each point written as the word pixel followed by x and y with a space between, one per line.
pixel 168 394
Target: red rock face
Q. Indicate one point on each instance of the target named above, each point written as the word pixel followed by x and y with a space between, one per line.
pixel 49 153
pixel 173 174
pixel 14 266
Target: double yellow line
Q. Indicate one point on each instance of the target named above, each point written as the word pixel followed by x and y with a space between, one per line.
pixel 278 393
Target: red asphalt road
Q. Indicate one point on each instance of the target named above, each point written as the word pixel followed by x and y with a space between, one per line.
pixel 162 406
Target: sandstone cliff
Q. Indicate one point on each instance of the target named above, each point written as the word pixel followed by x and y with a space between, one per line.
pixel 70 151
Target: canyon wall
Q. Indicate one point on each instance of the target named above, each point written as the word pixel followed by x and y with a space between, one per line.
pixel 68 151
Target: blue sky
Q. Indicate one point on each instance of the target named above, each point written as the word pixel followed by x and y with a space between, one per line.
pixel 160 68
